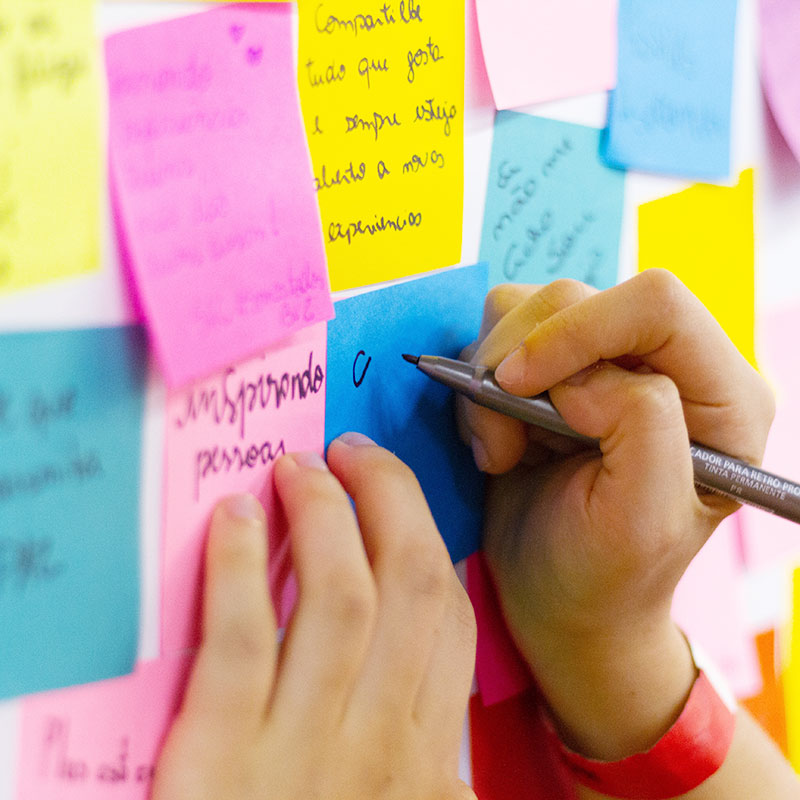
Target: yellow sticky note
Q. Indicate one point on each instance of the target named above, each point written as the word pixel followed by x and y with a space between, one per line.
pixel 382 93
pixel 791 677
pixel 50 168
pixel 704 235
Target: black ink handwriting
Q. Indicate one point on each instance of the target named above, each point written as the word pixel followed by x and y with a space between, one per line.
pixel 348 231
pixel 357 381
pixel 231 402
pixel 376 124
pixel 422 57
pixel 428 112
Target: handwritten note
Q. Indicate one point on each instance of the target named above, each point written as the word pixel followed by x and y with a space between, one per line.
pixel 704 235
pixel 372 390
pixel 102 740
pixel 709 607
pixel 553 210
pixel 223 436
pixel 769 539
pixel 382 90
pixel 70 431
pixel 543 51
pixel 779 26
pixel 214 186
pixel 49 142
pixel 671 109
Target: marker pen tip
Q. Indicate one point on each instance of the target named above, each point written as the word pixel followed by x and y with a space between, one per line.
pixel 411 359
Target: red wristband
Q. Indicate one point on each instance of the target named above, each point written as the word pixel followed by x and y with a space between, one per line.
pixel 691 751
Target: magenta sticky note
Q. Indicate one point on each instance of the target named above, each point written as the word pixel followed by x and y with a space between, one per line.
pixel 779 24
pixel 500 670
pixel 770 539
pixel 213 185
pixel 223 436
pixel 99 740
pixel 709 607
pixel 536 51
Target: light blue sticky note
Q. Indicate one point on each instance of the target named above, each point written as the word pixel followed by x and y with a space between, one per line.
pixel 372 390
pixel 553 209
pixel 71 406
pixel 671 110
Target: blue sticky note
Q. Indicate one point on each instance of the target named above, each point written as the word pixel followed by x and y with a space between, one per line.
pixel 373 391
pixel 671 110
pixel 71 405
pixel 553 209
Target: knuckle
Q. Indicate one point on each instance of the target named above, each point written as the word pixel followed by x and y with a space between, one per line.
pixel 350 600
pixel 564 292
pixel 241 641
pixel 500 300
pixel 655 395
pixel 424 568
pixel 661 286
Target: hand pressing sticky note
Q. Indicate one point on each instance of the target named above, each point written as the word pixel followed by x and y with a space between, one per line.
pixel 382 89
pixel 671 109
pixel 102 740
pixel 49 142
pixel 704 235
pixel 373 391
pixel 537 51
pixel 70 438
pixel 553 209
pixel 223 437
pixel 214 185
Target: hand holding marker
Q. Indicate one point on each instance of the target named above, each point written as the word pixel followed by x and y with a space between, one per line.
pixel 714 471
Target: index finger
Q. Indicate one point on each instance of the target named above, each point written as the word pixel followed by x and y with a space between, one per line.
pixel 655 318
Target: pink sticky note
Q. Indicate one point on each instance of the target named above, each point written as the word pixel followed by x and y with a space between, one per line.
pixel 99 740
pixel 780 32
pixel 770 539
pixel 223 437
pixel 537 51
pixel 214 185
pixel 709 607
pixel 500 670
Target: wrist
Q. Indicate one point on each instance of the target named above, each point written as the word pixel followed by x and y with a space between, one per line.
pixel 616 692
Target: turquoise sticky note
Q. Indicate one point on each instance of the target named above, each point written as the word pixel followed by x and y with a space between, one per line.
pixel 372 390
pixel 553 209
pixel 671 110
pixel 71 406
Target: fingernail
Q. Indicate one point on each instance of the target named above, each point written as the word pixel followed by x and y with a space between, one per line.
pixel 511 369
pixel 311 460
pixel 243 506
pixel 355 439
pixel 479 454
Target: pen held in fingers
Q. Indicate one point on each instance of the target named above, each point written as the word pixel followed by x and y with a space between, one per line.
pixel 713 470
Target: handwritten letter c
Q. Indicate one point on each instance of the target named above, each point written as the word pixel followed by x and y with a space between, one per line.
pixel 358 381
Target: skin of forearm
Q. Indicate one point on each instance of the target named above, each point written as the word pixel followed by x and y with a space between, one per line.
pixel 615 696
pixel 755 769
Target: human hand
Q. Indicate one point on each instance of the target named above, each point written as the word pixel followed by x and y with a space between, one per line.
pixel 587 546
pixel 367 695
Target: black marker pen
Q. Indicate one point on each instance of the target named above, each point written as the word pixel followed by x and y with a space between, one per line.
pixel 713 470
